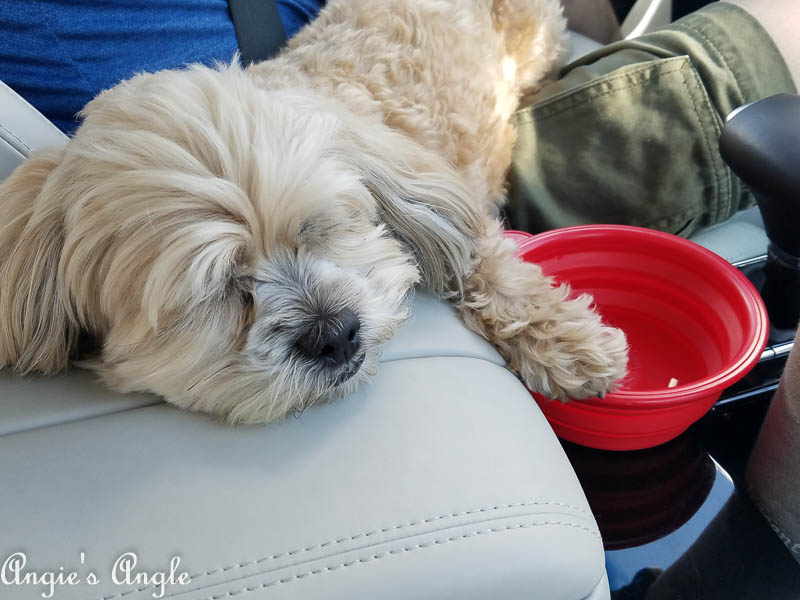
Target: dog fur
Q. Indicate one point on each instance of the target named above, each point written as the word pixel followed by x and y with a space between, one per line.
pixel 199 218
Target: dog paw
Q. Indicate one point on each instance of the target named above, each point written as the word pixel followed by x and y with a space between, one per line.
pixel 580 358
pixel 591 370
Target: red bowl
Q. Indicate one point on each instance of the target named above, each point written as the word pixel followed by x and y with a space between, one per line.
pixel 688 315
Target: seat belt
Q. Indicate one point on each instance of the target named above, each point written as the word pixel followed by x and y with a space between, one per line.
pixel 258 29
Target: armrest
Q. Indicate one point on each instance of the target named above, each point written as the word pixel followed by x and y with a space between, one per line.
pixel 23 130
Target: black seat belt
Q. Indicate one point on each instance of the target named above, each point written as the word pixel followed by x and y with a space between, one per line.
pixel 258 29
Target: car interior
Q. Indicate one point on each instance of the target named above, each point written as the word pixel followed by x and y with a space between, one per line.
pixel 440 479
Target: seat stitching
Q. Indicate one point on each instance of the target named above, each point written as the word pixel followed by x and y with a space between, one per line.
pixel 396 551
pixel 366 534
pixel 28 148
pixel 485 359
pixel 21 103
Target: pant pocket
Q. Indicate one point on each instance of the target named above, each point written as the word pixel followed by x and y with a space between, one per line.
pixel 636 146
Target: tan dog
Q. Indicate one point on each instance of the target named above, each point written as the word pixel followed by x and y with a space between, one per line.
pixel 241 241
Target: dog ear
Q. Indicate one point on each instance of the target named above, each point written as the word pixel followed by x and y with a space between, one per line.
pixel 423 201
pixel 36 333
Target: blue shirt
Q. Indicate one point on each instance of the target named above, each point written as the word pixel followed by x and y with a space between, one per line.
pixel 59 54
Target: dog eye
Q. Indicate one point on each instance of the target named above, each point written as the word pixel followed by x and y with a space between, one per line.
pixel 247 298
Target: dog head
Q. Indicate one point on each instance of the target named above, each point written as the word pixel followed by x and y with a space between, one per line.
pixel 238 251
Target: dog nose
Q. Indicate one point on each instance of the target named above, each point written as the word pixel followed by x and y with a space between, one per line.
pixel 333 338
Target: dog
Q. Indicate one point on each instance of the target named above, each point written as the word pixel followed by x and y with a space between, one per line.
pixel 241 241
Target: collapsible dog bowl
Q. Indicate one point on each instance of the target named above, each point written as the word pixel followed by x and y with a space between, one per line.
pixel 694 323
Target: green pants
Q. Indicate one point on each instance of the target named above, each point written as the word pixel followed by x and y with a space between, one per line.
pixel 629 134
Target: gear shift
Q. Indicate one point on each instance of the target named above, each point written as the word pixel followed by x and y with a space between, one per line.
pixel 761 143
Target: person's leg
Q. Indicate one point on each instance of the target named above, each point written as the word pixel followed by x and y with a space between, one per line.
pixel 781 19
pixel 773 473
pixel 629 133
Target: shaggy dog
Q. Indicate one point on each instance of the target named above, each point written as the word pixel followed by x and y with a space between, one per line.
pixel 241 241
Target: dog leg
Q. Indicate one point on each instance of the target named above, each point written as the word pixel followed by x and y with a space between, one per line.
pixel 557 346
